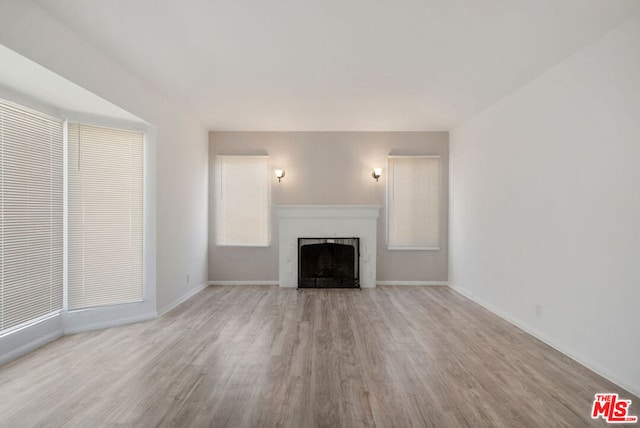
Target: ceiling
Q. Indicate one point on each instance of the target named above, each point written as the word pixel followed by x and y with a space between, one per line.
pixel 24 76
pixel 402 65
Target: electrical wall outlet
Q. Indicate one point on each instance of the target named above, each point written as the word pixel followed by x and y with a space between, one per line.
pixel 538 310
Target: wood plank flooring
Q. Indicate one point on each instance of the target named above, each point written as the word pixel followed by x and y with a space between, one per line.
pixel 261 356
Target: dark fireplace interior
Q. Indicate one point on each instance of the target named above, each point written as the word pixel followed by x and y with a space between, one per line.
pixel 328 262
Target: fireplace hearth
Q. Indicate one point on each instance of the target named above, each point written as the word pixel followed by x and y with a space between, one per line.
pixel 328 262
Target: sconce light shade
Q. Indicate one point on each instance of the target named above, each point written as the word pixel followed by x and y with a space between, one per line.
pixel 279 174
pixel 377 172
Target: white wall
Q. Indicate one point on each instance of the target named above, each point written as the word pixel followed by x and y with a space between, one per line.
pixel 545 206
pixel 181 143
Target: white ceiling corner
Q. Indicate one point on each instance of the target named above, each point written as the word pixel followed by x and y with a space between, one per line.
pixel 24 77
pixel 406 65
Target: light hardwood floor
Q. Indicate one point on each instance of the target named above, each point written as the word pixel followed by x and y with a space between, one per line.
pixel 264 356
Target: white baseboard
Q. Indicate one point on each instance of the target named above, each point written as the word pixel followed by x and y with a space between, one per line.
pixel 31 346
pixel 183 298
pixel 243 282
pixel 428 283
pixel 424 283
pixel 580 359
pixel 111 323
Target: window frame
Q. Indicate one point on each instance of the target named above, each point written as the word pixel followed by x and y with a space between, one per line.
pixel 217 184
pixel 103 124
pixel 77 320
pixel 44 114
pixel 388 205
pixel 149 251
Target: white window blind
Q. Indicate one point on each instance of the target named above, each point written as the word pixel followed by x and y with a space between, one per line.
pixel 242 200
pixel 105 215
pixel 414 203
pixel 31 215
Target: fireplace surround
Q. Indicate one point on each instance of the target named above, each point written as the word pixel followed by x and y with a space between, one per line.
pixel 327 222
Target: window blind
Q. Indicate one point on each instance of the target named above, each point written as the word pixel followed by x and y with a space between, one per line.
pixel 242 200
pixel 414 203
pixel 105 216
pixel 31 215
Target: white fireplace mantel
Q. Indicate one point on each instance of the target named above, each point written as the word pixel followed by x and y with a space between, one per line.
pixel 327 221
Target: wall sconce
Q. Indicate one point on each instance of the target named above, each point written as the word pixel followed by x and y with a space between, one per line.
pixel 279 174
pixel 377 172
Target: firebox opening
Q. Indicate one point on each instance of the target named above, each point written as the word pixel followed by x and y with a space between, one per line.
pixel 328 262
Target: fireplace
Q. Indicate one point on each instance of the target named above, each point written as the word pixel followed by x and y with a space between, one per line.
pixel 328 262
pixel 328 222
